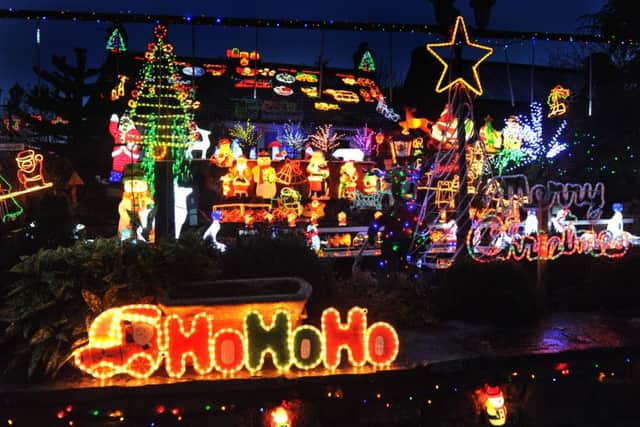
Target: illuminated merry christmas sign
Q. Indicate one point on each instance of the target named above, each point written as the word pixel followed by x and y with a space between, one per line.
pixel 136 339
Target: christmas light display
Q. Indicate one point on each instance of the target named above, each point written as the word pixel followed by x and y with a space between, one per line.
pixel 31 170
pixel 200 144
pixel 135 339
pixel 180 208
pixel 557 101
pixel 137 207
pixel 446 49
pixel 126 145
pixel 10 209
pixel 343 96
pixel 325 106
pixel 524 142
pixel 223 156
pixel 307 76
pixel 119 91
pixel 247 134
pixel 495 407
pixel 325 138
pixel 213 229
pixel 115 42
pixel 411 122
pixel 264 175
pixel 348 154
pixel 387 112
pixel 366 63
pixel 318 170
pixel 293 136
pixel 159 110
pixel 348 181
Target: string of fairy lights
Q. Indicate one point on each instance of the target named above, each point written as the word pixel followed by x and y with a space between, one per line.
pixel 430 396
pixel 325 24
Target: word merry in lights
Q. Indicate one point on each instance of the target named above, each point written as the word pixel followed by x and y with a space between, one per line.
pixel 135 339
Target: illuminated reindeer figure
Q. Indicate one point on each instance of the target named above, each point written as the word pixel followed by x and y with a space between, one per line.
pixel 411 122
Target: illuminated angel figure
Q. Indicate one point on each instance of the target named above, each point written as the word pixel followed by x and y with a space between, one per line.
pixel 556 101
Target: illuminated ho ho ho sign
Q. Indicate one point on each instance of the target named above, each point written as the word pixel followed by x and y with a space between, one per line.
pixel 135 339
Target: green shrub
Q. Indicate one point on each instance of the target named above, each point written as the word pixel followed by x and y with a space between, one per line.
pixel 56 293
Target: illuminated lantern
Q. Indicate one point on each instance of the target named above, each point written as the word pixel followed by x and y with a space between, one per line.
pixel 348 181
pixel 213 229
pixel 264 175
pixel 318 170
pixel 126 148
pixel 496 409
pixel 241 177
pixel 30 169
pixel 137 201
pixel 280 417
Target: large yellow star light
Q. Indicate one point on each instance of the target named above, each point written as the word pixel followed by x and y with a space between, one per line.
pixel 476 86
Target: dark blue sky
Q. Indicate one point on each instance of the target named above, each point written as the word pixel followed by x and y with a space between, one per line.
pixel 18 48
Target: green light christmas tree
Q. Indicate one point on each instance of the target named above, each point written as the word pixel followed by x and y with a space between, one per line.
pixel 160 110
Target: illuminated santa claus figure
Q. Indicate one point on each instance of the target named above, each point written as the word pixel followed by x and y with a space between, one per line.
pixel 126 148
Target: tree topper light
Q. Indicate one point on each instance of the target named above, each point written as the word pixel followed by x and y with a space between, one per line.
pixel 476 86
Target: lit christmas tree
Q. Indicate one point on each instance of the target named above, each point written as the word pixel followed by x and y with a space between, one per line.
pixel 160 110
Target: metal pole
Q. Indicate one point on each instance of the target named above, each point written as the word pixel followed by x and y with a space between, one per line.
pixel 590 85
pixel 533 64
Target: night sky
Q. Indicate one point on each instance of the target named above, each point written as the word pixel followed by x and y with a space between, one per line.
pixel 18 48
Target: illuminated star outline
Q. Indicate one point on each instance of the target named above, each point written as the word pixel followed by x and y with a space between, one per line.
pixel 477 88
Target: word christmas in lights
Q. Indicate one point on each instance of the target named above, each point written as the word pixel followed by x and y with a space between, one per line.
pixel 136 339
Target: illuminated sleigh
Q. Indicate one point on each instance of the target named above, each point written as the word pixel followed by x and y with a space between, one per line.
pixel 123 340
